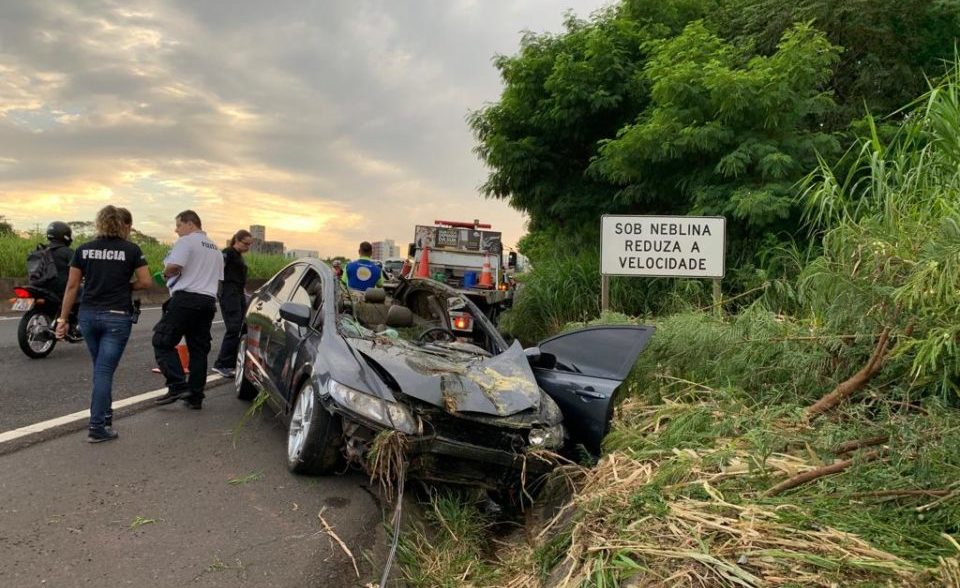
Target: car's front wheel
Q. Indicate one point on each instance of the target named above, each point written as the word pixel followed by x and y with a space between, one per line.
pixel 314 436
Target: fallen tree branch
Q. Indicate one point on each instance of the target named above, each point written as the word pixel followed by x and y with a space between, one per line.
pixel 831 469
pixel 849 446
pixel 949 496
pixel 854 382
pixel 329 531
pixel 886 493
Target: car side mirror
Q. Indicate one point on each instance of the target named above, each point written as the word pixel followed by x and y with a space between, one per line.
pixel 533 354
pixel 298 314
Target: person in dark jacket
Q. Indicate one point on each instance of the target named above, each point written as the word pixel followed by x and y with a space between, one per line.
pixel 233 301
pixel 106 266
pixel 59 239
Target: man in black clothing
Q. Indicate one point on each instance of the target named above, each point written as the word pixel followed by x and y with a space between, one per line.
pixel 233 301
pixel 59 238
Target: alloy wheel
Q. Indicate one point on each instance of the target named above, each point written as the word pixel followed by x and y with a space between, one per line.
pixel 300 423
pixel 241 362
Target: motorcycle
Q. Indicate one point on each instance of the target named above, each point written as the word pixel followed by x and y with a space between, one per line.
pixel 36 332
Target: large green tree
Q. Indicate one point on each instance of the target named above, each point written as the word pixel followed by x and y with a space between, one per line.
pixel 889 47
pixel 725 133
pixel 563 94
pixel 698 106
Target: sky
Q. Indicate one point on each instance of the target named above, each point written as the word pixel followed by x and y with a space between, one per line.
pixel 330 122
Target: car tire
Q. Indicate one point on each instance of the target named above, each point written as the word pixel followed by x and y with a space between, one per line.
pixel 245 390
pixel 30 323
pixel 314 435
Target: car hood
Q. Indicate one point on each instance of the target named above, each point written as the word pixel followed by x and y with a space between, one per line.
pixel 455 380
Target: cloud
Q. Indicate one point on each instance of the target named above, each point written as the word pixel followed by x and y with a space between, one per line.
pixel 330 122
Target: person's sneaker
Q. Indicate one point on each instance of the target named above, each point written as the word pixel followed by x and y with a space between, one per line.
pixel 193 402
pixel 225 372
pixel 100 435
pixel 171 396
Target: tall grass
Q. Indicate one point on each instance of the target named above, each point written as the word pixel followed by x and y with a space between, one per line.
pixel 14 250
pixel 565 287
pixel 13 255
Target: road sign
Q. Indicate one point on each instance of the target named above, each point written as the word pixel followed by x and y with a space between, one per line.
pixel 663 246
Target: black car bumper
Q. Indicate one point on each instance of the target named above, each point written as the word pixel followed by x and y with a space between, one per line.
pixel 446 460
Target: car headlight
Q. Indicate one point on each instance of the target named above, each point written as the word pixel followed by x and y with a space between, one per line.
pixel 546 438
pixel 388 414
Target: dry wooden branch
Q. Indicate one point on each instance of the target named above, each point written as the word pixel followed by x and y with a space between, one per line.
pixel 831 469
pixel 886 493
pixel 848 446
pixel 856 381
pixel 329 531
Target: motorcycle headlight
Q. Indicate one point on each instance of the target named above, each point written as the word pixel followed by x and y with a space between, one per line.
pixel 388 414
pixel 546 438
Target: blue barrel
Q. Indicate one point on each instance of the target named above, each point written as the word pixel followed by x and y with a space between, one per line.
pixel 469 279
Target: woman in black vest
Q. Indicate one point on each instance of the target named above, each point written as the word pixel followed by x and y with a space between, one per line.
pixel 106 266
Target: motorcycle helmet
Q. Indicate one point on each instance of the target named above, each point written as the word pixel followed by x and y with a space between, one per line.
pixel 59 231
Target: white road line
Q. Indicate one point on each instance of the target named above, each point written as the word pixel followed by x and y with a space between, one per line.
pixel 16 318
pixel 85 414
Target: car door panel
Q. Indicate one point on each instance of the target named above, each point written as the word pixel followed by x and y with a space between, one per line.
pixel 583 370
pixel 294 336
pixel 272 340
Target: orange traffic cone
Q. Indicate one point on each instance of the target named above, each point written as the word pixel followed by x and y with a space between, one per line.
pixel 184 357
pixel 486 276
pixel 423 268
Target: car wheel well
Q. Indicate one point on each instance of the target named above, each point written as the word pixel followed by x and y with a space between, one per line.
pixel 297 386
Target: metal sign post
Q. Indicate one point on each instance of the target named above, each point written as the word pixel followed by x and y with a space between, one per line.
pixel 604 293
pixel 662 247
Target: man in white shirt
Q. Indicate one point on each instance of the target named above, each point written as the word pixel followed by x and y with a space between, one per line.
pixel 193 269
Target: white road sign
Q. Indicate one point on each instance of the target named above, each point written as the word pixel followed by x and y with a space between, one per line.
pixel 663 246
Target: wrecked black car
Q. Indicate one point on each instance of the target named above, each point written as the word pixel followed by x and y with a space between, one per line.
pixel 424 361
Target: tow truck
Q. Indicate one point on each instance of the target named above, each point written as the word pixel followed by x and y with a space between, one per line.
pixel 456 253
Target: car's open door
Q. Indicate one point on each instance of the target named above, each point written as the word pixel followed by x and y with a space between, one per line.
pixel 581 370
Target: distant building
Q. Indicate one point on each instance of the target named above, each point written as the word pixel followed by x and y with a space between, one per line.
pixel 386 249
pixel 298 253
pixel 271 247
pixel 260 243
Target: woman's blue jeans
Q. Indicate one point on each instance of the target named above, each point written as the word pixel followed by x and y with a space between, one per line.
pixel 106 334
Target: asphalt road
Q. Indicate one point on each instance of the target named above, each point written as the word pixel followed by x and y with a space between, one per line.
pixel 183 497
pixel 179 500
pixel 33 390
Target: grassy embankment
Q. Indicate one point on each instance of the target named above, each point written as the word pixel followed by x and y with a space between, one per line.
pixel 810 439
pixel 14 250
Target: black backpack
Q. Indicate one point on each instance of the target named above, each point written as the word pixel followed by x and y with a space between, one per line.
pixel 41 269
